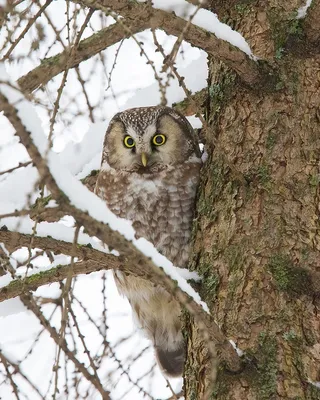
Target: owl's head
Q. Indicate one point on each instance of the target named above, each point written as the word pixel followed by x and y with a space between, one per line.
pixel 148 140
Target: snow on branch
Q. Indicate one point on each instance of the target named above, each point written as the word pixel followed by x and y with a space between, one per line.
pixel 156 18
pixel 91 212
pixel 302 11
pixel 90 259
pixel 204 19
pixel 199 34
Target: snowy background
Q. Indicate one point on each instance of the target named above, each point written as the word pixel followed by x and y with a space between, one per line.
pixel 129 373
pixel 116 79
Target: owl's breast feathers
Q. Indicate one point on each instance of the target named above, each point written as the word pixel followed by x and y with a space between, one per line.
pixel 161 206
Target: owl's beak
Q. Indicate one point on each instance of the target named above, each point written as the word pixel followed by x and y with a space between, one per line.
pixel 144 159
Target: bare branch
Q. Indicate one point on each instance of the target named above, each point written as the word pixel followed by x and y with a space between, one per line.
pixel 140 17
pixel 21 165
pixel 30 303
pixel 50 67
pixel 10 374
pixel 17 370
pixel 192 104
pixel 71 57
pixel 20 286
pixel 92 260
pixel 25 30
pixel 15 240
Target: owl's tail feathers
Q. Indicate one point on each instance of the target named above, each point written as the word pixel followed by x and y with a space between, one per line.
pixel 171 361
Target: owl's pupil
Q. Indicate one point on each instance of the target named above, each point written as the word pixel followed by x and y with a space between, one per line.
pixel 129 141
pixel 159 139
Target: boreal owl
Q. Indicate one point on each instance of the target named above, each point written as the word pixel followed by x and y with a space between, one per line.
pixel 149 175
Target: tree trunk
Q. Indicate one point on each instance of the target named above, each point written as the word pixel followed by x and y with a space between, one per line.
pixel 257 234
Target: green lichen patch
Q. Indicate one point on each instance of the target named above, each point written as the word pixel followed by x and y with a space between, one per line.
pixel 210 286
pixel 283 26
pixel 205 207
pixel 314 180
pixel 279 53
pixel 220 93
pixel 290 336
pixel 260 175
pixel 263 174
pixel 35 279
pixel 295 26
pixel 313 392
pixel 289 278
pixel 243 9
pixel 215 183
pixel 41 202
pixel 271 140
pixel 51 61
pixel 235 256
pixel 267 367
pixel 210 281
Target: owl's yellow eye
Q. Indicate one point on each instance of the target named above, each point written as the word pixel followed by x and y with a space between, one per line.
pixel 159 140
pixel 129 142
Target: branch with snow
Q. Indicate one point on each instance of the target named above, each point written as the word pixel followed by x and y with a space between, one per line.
pixel 89 260
pixel 206 32
pixel 199 34
pixel 302 11
pixel 91 257
pixel 91 212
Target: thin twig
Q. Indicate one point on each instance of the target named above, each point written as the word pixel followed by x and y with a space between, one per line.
pixel 65 75
pixel 14 386
pixel 21 165
pixel 30 303
pixel 28 26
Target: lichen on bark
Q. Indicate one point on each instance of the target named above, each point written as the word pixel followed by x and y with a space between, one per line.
pixel 256 240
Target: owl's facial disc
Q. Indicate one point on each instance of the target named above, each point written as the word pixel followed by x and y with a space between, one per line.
pixel 147 148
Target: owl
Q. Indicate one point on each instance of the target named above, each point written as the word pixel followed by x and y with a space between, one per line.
pixel 149 174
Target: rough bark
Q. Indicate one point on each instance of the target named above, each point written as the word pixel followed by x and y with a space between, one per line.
pixel 257 241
